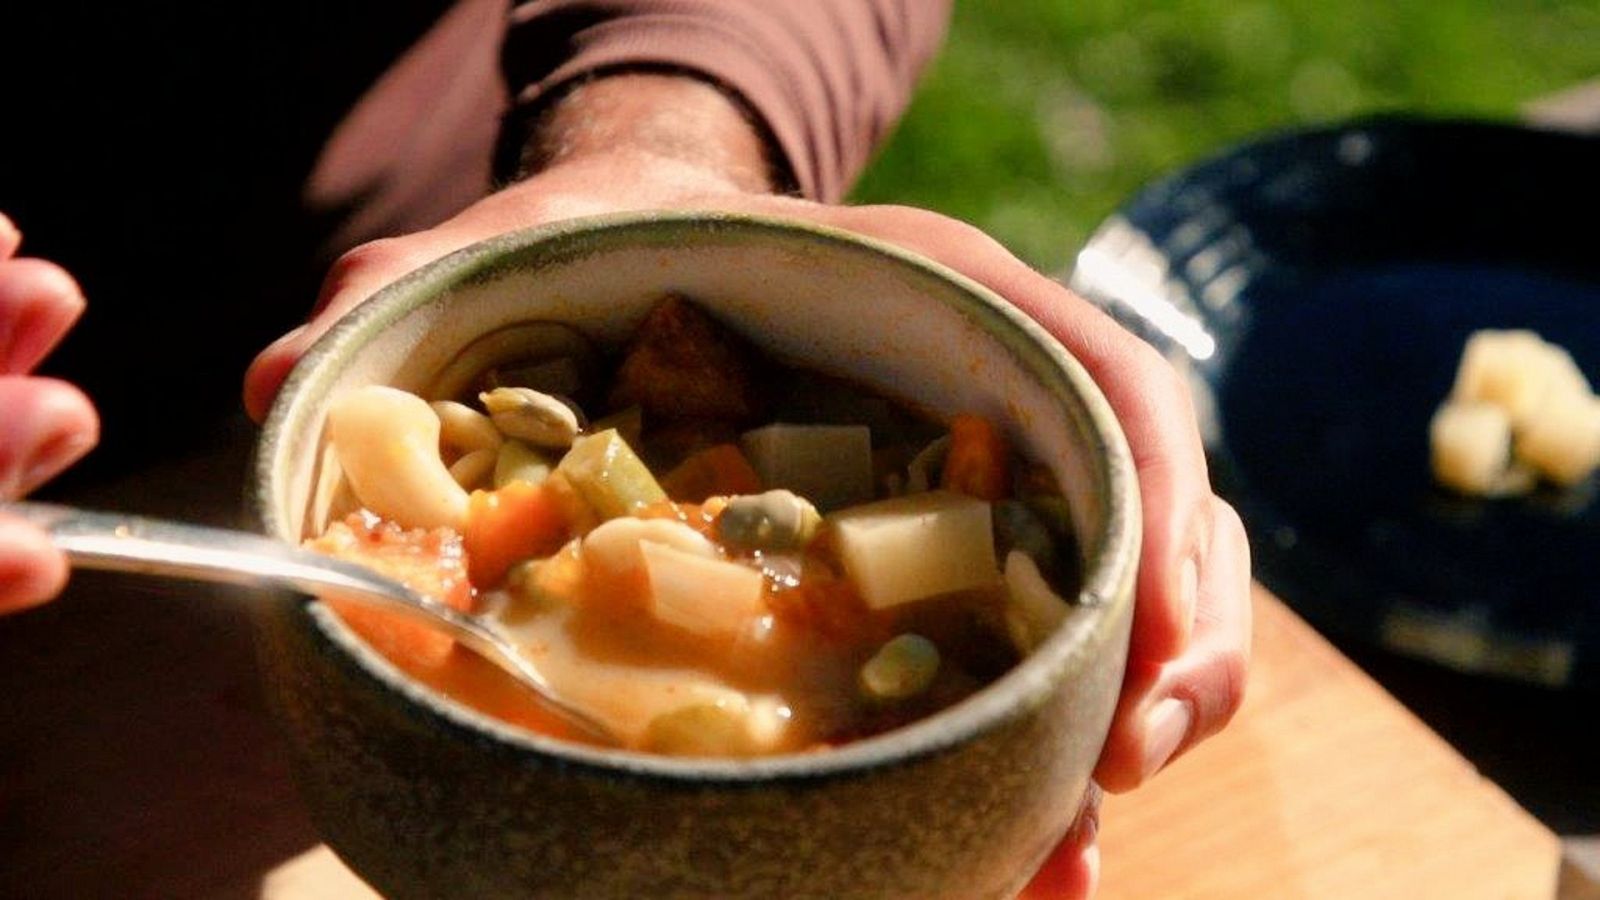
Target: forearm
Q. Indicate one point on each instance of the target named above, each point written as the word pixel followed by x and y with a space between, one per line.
pixel 824 79
pixel 668 118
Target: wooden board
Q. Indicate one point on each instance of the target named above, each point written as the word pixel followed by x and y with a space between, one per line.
pixel 1323 787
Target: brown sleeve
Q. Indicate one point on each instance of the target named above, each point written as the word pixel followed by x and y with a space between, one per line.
pixel 826 78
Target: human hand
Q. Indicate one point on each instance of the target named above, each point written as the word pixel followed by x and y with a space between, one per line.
pixel 625 142
pixel 1190 647
pixel 1191 631
pixel 1189 653
pixel 47 424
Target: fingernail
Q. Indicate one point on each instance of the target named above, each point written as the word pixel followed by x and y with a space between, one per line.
pixel 53 456
pixel 27 338
pixel 268 371
pixel 1166 725
pixel 1089 825
pixel 57 440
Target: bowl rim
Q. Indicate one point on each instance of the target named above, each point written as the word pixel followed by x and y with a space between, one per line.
pixel 1107 582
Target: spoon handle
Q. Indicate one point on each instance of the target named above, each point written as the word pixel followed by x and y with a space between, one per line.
pixel 120 542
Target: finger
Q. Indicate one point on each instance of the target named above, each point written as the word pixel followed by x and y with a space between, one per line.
pixel 48 425
pixel 356 276
pixel 39 302
pixel 10 238
pixel 1149 399
pixel 31 569
pixel 271 368
pixel 1167 708
pixel 1072 870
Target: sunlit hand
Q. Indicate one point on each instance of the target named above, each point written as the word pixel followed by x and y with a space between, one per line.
pixel 1191 632
pixel 45 424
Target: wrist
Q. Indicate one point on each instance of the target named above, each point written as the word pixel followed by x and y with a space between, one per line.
pixel 674 119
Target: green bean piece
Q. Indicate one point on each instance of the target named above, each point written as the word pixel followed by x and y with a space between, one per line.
pixel 609 475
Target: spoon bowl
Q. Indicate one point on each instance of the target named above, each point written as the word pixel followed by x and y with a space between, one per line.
pixel 119 542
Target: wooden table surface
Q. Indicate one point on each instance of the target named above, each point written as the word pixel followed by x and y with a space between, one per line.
pixel 136 760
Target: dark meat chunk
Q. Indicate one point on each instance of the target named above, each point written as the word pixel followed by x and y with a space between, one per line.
pixel 683 365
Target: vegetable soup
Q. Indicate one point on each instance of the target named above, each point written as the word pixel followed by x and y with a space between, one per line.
pixel 707 552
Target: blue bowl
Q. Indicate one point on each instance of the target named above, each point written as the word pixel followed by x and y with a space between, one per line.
pixel 1319 287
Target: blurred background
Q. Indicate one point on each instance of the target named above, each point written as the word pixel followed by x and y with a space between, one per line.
pixel 1042 116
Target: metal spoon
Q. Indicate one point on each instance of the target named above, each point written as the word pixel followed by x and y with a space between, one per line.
pixel 124 543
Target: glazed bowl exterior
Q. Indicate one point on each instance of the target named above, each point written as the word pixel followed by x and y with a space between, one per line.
pixel 425 797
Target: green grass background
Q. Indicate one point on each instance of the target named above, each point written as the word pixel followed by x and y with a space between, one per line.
pixel 1041 116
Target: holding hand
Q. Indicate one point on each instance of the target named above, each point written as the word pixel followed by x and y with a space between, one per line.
pixel 45 424
pixel 618 145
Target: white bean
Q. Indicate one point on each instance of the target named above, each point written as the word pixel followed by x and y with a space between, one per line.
pixel 475 469
pixel 465 429
pixel 524 413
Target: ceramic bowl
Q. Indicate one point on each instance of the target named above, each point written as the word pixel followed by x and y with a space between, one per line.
pixel 424 797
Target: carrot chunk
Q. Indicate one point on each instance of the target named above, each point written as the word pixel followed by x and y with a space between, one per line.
pixel 977 463
pixel 505 526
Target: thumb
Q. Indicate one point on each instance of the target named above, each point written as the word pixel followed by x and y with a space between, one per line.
pixel 354 277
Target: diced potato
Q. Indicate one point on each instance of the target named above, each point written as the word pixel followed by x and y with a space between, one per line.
pixel 609 475
pixel 904 549
pixel 1516 371
pixel 1507 369
pixel 1520 406
pixel 1562 441
pixel 1472 449
pixel 710 597
pixel 1565 376
pixel 830 465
